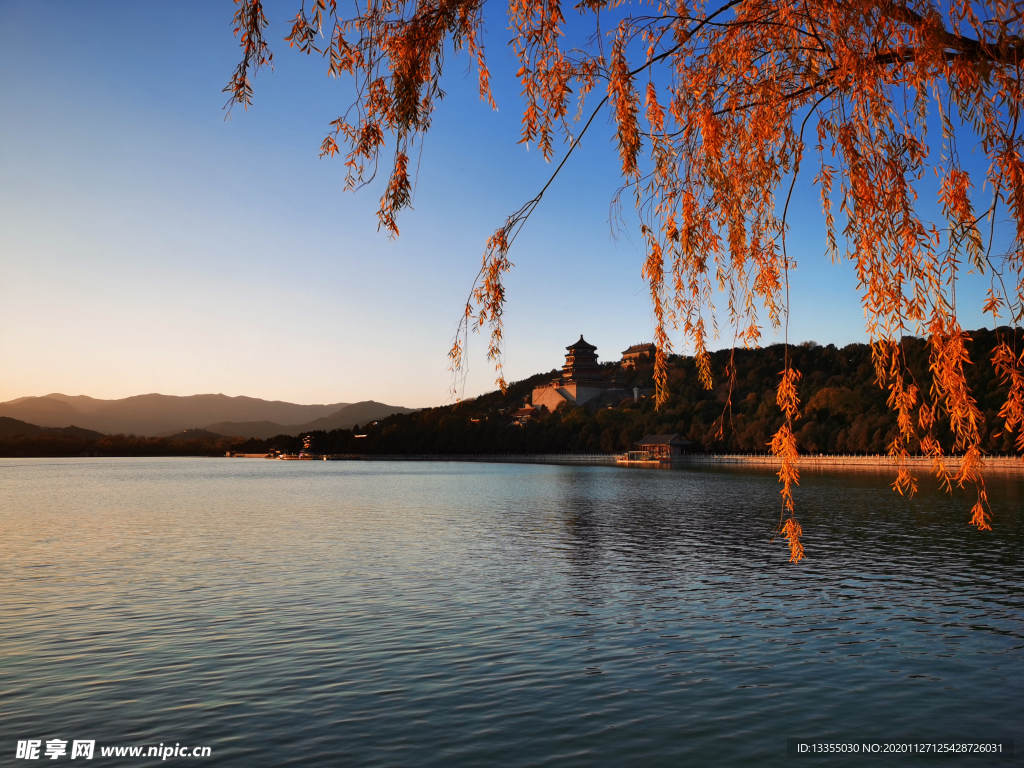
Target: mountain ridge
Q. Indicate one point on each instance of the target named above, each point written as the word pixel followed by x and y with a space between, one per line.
pixel 156 414
pixel 10 427
pixel 345 418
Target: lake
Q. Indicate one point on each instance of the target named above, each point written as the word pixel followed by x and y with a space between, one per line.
pixel 477 614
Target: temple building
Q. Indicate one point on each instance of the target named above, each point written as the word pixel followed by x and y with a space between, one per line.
pixel 526 414
pixel 638 354
pixel 581 380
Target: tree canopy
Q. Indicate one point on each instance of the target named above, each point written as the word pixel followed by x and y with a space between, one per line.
pixel 718 107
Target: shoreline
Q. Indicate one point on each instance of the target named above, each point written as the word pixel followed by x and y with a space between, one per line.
pixel 1009 464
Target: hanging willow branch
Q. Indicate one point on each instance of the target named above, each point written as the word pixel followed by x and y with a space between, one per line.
pixel 710 101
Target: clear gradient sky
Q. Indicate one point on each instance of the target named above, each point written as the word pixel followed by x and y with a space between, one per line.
pixel 148 245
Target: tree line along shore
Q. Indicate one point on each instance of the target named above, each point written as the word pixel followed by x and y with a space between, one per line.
pixel 843 411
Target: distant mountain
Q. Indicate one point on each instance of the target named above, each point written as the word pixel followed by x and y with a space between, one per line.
pixel 345 418
pixel 258 429
pixel 156 414
pixel 358 413
pixel 44 411
pixel 194 434
pixel 10 427
pixel 81 403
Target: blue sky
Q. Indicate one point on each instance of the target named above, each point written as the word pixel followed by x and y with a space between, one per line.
pixel 149 245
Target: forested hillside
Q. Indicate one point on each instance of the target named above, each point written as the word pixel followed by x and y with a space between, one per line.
pixel 843 410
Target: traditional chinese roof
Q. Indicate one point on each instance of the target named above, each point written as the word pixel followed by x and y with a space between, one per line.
pixel 640 348
pixel 663 440
pixel 528 412
pixel 581 344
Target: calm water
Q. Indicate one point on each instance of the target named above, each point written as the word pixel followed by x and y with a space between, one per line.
pixel 450 614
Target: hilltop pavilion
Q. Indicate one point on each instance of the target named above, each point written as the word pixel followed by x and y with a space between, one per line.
pixel 637 355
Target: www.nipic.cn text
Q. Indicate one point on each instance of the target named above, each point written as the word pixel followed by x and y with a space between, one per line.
pixel 34 749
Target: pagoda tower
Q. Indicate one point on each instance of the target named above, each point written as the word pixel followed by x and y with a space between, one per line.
pixel 581 380
pixel 581 363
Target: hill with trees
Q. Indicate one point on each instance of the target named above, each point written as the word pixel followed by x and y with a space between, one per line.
pixel 843 409
pixel 9 427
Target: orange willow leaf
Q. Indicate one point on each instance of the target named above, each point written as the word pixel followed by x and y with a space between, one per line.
pixel 792 531
pixel 979 517
pixel 783 445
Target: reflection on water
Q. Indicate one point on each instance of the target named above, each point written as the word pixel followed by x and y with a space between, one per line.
pixel 481 614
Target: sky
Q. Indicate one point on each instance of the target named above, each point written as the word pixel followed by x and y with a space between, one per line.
pixel 148 244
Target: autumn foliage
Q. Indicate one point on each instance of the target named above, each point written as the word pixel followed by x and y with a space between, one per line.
pixel 717 108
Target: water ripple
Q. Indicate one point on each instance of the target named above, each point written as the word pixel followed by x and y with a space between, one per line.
pixel 477 614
